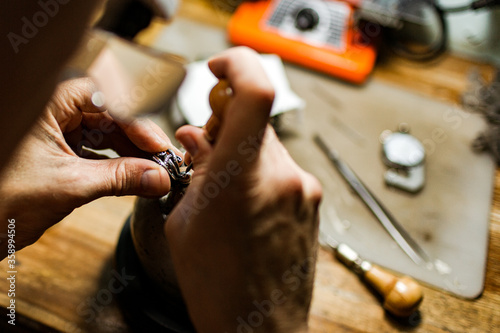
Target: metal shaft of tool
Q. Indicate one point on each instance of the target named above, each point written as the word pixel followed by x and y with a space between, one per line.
pixel 345 254
pixel 391 225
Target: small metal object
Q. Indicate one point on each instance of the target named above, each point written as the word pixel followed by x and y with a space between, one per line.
pixel 170 162
pixel 404 154
pixel 179 179
pixel 391 225
pixel 345 254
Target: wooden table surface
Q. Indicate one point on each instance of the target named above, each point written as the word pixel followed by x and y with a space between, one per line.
pixel 63 279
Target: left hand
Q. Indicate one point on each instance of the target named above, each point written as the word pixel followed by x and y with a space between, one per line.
pixel 48 177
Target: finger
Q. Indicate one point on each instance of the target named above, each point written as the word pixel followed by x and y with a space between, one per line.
pixel 98 140
pixel 86 153
pixel 146 135
pixel 80 92
pixel 124 176
pixel 74 99
pixel 248 111
pixel 131 138
pixel 119 144
pixel 71 98
pixel 106 137
pixel 313 191
pixel 187 158
pixel 193 139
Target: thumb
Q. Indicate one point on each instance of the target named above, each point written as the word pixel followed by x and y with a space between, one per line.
pixel 125 176
pixel 193 139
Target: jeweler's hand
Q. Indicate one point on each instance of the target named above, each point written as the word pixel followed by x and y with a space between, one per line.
pixel 243 240
pixel 51 173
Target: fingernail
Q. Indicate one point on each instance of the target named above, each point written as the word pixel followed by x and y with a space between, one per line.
pixel 190 145
pixel 150 181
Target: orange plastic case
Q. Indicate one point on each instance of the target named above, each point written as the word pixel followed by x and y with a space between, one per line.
pixel 352 59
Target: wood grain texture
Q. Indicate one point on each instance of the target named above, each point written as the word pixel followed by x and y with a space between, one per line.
pixel 62 279
pixel 444 78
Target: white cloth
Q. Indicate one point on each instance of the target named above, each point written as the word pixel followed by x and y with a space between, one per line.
pixel 192 97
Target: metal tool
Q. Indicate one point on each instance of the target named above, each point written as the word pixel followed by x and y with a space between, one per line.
pixel 395 230
pixel 402 296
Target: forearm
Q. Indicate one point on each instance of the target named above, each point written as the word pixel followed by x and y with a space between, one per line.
pixel 38 42
pixel 239 305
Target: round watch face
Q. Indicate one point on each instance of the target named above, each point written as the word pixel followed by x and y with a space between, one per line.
pixel 403 149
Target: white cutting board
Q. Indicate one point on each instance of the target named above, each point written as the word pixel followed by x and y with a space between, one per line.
pixel 449 218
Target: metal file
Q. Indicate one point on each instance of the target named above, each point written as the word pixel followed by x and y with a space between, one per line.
pixel 391 225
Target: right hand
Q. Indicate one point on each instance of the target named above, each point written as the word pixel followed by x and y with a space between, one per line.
pixel 244 238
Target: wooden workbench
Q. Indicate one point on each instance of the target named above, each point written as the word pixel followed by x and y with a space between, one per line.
pixel 71 265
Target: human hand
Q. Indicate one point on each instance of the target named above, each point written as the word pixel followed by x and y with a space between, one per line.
pixel 51 174
pixel 243 239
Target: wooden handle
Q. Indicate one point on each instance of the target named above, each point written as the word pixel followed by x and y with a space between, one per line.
pixel 219 97
pixel 402 296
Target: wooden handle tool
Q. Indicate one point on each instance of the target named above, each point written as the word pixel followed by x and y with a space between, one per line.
pixel 402 296
pixel 219 97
